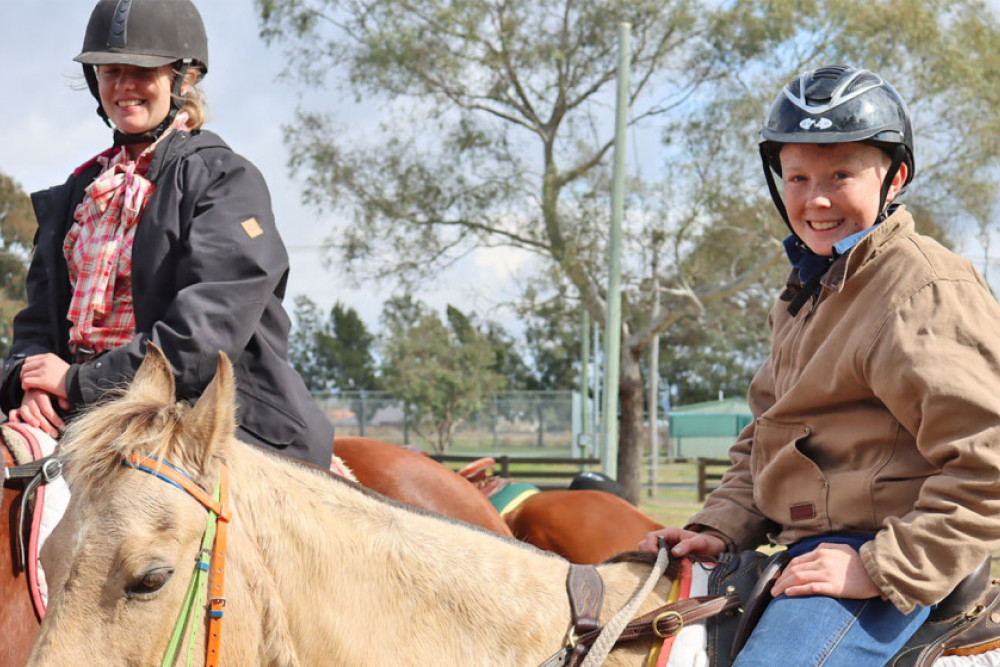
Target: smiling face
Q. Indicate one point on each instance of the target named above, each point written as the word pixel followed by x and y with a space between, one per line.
pixel 136 99
pixel 832 190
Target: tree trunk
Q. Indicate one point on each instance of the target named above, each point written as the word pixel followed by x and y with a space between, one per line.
pixel 631 430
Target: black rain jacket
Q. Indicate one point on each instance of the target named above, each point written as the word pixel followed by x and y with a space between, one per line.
pixel 209 271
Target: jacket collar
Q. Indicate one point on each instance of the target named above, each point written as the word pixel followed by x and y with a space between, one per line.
pixel 867 248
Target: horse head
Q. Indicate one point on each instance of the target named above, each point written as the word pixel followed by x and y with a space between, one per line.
pixel 121 558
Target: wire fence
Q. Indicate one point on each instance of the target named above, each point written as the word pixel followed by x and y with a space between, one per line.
pixel 509 420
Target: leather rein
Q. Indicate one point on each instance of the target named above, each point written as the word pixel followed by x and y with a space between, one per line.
pixel 219 517
pixel 586 594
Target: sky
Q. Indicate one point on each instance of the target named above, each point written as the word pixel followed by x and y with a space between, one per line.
pixel 48 126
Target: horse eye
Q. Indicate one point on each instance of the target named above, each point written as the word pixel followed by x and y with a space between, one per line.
pixel 151 581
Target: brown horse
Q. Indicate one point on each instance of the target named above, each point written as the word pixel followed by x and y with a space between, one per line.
pixel 417 480
pixel 318 570
pixel 583 526
pixel 18 622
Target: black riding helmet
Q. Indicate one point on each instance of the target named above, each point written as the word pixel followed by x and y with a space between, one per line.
pixel 833 105
pixel 144 33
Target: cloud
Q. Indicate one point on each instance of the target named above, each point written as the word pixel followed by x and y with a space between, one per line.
pixel 52 127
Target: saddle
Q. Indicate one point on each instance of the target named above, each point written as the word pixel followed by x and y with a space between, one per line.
pixel 43 500
pixel 966 622
pixel 504 494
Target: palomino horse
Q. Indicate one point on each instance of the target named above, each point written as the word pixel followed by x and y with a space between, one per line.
pixel 18 622
pixel 415 479
pixel 317 570
pixel 583 526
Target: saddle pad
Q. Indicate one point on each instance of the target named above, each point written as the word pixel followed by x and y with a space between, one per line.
pixel 338 467
pixel 50 504
pixel 988 659
pixel 688 649
pixel 507 499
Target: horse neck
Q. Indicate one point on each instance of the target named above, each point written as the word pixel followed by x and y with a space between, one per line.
pixel 359 563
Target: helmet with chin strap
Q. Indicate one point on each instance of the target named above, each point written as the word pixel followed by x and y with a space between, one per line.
pixel 833 105
pixel 144 33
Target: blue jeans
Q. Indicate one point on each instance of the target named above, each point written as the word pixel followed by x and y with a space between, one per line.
pixel 820 630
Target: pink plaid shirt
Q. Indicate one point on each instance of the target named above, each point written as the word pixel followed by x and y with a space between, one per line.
pixel 98 251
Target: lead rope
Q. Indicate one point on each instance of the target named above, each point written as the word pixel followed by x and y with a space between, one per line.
pixel 613 629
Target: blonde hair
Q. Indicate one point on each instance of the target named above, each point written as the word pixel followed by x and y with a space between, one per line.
pixel 195 103
pixel 196 107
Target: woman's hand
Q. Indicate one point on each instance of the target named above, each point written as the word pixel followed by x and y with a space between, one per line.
pixel 37 410
pixel 835 570
pixel 48 373
pixel 684 542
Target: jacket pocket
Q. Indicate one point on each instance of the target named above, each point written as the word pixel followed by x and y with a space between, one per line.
pixel 274 424
pixel 787 486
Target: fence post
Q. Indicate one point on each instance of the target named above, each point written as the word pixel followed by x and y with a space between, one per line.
pixel 702 482
pixel 539 412
pixel 361 420
pixel 406 423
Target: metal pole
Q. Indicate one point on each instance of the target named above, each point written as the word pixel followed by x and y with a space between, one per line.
pixel 585 386
pixel 613 329
pixel 596 419
pixel 654 382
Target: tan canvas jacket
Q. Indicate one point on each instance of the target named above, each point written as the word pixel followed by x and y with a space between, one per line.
pixel 878 410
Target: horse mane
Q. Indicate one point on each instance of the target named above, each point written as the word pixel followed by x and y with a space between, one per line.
pixel 120 425
pixel 96 441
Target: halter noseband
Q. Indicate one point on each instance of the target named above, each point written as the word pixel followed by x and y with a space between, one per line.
pixel 218 507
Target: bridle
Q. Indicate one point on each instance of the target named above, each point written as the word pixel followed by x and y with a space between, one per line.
pixel 213 547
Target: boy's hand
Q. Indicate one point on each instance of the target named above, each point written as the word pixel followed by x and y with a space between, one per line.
pixel 684 542
pixel 835 570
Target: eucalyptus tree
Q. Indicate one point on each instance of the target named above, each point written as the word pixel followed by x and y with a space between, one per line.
pixel 332 353
pixel 496 131
pixel 17 225
pixel 442 372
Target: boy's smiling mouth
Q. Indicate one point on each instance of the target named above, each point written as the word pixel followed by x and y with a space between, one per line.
pixel 824 225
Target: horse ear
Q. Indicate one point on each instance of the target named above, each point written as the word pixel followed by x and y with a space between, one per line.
pixel 211 423
pixel 155 379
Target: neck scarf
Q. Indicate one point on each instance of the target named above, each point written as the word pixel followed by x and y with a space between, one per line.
pixel 98 250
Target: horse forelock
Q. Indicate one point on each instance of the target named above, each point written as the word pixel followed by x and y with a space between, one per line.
pixel 96 441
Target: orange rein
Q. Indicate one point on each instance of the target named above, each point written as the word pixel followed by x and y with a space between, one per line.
pixel 168 473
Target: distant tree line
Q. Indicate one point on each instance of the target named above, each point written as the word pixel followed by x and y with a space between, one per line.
pixel 444 369
pixel 17 227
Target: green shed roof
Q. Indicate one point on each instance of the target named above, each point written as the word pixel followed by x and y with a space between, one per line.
pixel 727 406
